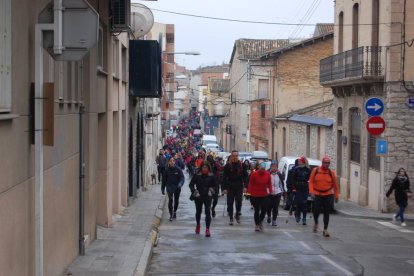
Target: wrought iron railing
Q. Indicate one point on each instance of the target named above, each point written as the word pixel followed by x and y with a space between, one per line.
pixel 363 62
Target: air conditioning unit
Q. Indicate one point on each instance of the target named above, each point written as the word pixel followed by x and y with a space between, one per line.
pixel 120 15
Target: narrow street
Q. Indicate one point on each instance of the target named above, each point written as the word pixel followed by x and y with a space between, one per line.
pixel 356 246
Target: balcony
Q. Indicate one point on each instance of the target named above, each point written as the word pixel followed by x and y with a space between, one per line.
pixel 360 65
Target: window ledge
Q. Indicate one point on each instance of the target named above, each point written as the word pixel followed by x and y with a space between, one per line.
pixel 4 117
pixel 102 72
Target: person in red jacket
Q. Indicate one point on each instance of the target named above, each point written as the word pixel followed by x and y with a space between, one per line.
pixel 260 186
pixel 323 187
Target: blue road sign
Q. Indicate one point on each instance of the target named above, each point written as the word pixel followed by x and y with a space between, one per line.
pixel 374 106
pixel 411 103
pixel 382 147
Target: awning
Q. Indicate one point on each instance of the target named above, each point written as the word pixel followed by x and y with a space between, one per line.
pixel 310 120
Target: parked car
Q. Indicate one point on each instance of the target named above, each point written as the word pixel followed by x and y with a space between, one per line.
pixel 286 163
pixel 223 154
pixel 259 155
pixel 209 139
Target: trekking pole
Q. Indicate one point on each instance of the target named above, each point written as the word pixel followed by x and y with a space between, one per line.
pixel 225 206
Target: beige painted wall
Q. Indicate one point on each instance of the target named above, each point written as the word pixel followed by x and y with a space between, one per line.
pixel 106 180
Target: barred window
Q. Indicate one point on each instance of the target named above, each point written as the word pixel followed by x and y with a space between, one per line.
pixel 373 159
pixel 355 116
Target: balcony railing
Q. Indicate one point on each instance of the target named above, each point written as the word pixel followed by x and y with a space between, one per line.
pixel 363 63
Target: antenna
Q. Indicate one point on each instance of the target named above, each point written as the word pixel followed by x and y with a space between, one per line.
pixel 142 20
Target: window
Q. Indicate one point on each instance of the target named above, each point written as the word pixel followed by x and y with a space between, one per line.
pixel 263 89
pixel 115 58
pixel 341 32
pixel 263 110
pixel 248 121
pixel 339 117
pixel 355 26
pixel 124 64
pixel 373 159
pixel 355 134
pixel 102 49
pixel 5 56
pixel 375 22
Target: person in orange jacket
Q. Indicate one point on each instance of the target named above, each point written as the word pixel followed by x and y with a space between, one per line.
pixel 323 187
pixel 259 188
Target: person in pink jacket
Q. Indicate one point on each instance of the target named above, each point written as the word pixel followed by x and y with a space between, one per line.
pixel 260 186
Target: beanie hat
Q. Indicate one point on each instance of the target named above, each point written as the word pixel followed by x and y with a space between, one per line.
pixel 302 159
pixel 326 159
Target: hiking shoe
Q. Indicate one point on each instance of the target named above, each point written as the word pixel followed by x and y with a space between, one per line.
pixel 197 230
pixel 274 223
pixel 208 232
pixel 394 217
pixel 403 224
pixel 304 222
pixel 269 220
pixel 171 218
pixel 231 222
pixel 213 213
pixel 237 217
pixel 297 219
pixel 315 228
pixel 261 227
pixel 257 228
pixel 174 216
pixel 325 233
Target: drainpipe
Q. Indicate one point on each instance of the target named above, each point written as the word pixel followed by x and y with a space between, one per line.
pixel 81 184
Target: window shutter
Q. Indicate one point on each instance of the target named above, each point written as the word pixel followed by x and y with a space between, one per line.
pixel 5 56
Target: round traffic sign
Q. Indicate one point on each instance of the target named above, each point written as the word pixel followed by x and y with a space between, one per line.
pixel 374 106
pixel 375 125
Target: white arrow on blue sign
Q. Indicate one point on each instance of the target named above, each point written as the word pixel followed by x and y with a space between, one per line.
pixel 374 106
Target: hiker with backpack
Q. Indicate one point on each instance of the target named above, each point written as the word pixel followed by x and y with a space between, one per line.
pixel 323 187
pixel 299 181
pixel 234 185
pixel 202 187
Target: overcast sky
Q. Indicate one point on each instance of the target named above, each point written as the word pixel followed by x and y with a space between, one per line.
pixel 214 39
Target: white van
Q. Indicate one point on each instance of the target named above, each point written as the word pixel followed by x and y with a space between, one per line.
pixel 209 139
pixel 287 162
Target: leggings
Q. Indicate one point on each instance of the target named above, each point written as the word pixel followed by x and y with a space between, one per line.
pixel 173 197
pixel 234 195
pixel 199 202
pixel 260 208
pixel 324 204
pixel 274 201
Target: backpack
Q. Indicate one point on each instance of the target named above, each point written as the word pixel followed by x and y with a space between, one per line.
pixel 332 180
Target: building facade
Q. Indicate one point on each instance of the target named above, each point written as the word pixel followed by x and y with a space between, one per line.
pixel 87 141
pixel 372 57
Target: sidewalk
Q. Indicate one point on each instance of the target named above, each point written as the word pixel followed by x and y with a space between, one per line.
pixel 352 209
pixel 124 249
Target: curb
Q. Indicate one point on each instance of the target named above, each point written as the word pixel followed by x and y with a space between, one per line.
pixel 369 217
pixel 151 241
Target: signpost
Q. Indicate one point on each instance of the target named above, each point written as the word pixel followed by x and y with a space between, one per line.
pixel 374 106
pixel 375 125
pixel 382 147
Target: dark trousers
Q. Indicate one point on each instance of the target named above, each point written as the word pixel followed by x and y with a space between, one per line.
pixel 173 198
pixel 199 202
pixel 323 204
pixel 301 202
pixel 161 171
pixel 260 205
pixel 400 213
pixel 234 195
pixel 274 201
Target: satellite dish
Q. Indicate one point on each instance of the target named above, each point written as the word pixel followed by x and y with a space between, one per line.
pixel 142 20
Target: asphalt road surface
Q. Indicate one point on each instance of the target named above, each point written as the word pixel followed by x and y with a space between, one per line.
pixel 356 246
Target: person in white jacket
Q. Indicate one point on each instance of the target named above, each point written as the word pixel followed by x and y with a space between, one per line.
pixel 277 191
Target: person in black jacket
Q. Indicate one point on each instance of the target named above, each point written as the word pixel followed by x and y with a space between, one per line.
pixel 401 186
pixel 299 181
pixel 202 188
pixel 234 185
pixel 173 180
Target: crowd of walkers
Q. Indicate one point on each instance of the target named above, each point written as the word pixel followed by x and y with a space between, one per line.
pixel 211 177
